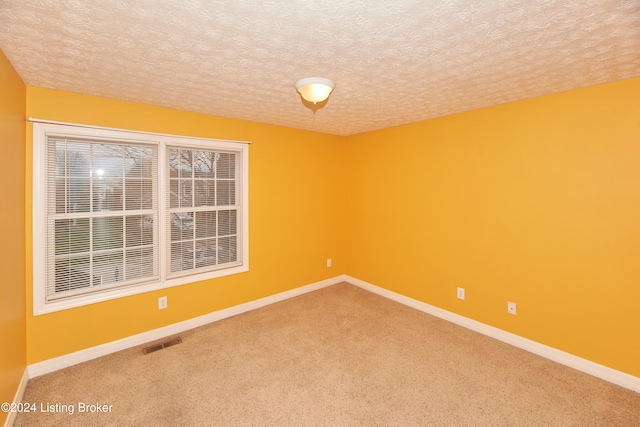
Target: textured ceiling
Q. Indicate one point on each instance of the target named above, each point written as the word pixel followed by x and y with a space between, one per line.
pixel 393 62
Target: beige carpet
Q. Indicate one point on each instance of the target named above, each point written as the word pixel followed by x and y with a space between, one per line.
pixel 340 356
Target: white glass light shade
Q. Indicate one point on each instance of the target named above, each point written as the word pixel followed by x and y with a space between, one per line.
pixel 315 89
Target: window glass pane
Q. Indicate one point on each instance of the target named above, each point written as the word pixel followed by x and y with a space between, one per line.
pixel 139 263
pixel 107 233
pixel 77 159
pixel 205 224
pixel 107 194
pixel 227 249
pixel 71 236
pixel 78 195
pixel 204 192
pixel 226 223
pixel 225 193
pixel 109 268
pixel 174 193
pixel 174 163
pixel 72 274
pixel 205 255
pixel 61 195
pixel 60 160
pixel 139 230
pixel 138 161
pixel 108 160
pixel 181 226
pixel 186 160
pixel 138 194
pixel 226 165
pixel 204 164
pixel 182 256
pixel 185 194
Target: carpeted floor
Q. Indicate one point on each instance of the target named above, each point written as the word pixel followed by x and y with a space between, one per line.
pixel 340 356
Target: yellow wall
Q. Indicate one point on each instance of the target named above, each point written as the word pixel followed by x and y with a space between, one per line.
pixel 13 358
pixel 296 196
pixel 536 202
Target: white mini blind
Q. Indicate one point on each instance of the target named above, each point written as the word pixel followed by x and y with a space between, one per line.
pixel 101 215
pixel 203 193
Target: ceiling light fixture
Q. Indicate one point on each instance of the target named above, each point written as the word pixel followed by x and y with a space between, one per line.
pixel 315 89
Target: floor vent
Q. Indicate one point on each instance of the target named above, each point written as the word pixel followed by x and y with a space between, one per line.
pixel 162 345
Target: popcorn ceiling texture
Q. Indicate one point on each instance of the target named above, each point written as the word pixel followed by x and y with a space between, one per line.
pixel 394 62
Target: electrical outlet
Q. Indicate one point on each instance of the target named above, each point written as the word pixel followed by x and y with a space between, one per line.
pixel 460 293
pixel 511 308
pixel 162 303
pixel 329 262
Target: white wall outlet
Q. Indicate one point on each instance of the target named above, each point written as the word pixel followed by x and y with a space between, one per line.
pixel 460 293
pixel 329 262
pixel 162 303
pixel 511 308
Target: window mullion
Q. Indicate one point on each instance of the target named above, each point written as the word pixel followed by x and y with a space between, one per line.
pixel 160 221
pixel 216 240
pixel 66 178
pixel 123 171
pixel 194 251
pixel 91 217
pixel 124 247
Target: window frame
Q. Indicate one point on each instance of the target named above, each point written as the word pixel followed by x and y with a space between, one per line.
pixel 39 217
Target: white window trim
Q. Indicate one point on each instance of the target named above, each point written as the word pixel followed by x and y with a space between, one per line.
pixel 41 128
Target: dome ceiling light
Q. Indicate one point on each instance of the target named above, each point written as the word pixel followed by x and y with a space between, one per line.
pixel 315 89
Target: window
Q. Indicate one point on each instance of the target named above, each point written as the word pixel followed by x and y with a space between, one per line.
pixel 203 214
pixel 119 212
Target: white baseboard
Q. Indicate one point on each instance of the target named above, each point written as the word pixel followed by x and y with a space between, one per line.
pixel 71 359
pixel 600 371
pixel 603 372
pixel 11 417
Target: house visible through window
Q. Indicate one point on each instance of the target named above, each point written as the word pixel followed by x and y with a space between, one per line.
pixel 119 212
